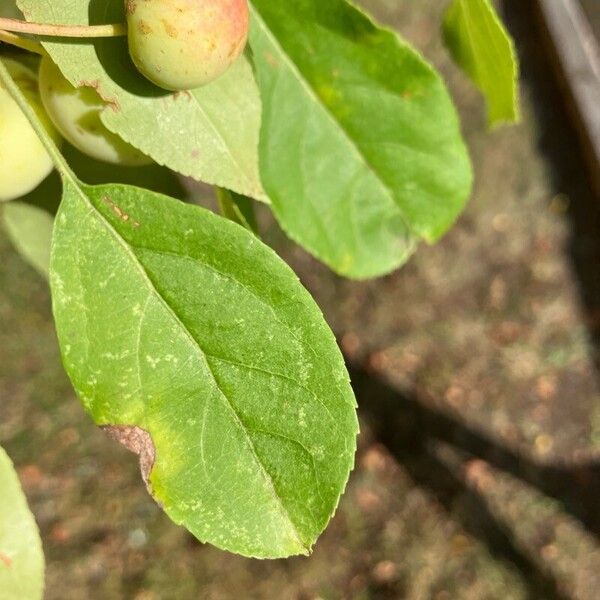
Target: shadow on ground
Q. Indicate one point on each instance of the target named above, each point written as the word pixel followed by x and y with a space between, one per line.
pixel 409 430
pixel 410 427
pixel 560 144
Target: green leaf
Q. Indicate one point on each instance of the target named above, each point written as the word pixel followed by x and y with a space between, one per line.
pixel 361 152
pixel 200 349
pixel 238 209
pixel 30 230
pixel 210 134
pixel 195 345
pixel 8 8
pixel 21 555
pixel 481 46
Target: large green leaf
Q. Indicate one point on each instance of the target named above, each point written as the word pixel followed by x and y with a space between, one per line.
pixel 200 349
pixel 210 134
pixel 481 46
pixel 361 152
pixel 21 556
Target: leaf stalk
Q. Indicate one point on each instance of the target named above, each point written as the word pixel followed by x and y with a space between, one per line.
pixel 21 42
pixel 6 82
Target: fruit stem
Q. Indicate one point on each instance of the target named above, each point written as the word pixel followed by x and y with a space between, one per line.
pixel 21 42
pixel 71 31
pixel 6 82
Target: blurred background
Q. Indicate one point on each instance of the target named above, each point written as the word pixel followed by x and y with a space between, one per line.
pixel 476 372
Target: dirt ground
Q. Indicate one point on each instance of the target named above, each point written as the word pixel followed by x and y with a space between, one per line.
pixel 592 10
pixel 476 373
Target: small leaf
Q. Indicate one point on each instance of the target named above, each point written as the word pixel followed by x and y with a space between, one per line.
pixel 29 228
pixel 21 555
pixel 361 152
pixel 197 346
pixel 482 47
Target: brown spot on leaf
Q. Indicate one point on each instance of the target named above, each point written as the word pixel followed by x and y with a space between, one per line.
pixel 182 94
pixel 6 560
pixel 111 101
pixel 270 58
pixel 119 212
pixel 136 440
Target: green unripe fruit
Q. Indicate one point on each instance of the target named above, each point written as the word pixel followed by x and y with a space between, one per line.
pixel 24 162
pixel 184 44
pixel 76 114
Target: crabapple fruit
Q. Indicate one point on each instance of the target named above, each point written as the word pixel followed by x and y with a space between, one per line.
pixel 24 161
pixel 76 114
pixel 184 44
